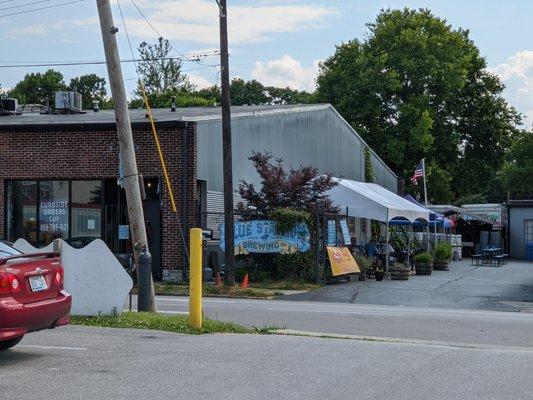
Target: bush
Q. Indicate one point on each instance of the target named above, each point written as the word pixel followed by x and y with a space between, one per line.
pixel 364 263
pixel 423 258
pixel 443 251
pixel 287 218
pixel 297 266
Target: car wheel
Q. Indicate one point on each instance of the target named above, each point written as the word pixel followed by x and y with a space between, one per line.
pixel 7 344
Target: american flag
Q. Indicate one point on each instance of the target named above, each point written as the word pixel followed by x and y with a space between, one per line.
pixel 419 172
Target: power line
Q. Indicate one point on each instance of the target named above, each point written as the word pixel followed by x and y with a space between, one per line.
pixel 157 32
pixel 41 8
pixel 6 1
pixel 24 5
pixel 74 63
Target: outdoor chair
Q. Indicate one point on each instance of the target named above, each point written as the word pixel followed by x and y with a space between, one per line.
pixel 497 261
pixel 476 259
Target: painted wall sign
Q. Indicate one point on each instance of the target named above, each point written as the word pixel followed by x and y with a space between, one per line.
pixel 341 261
pixel 345 232
pixel 53 216
pixel 332 233
pixel 261 237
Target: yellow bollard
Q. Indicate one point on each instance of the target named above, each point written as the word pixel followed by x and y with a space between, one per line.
pixel 195 278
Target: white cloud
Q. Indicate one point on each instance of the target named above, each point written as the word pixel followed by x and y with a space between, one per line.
pixel 199 81
pixel 286 71
pixel 30 30
pixel 517 74
pixel 197 20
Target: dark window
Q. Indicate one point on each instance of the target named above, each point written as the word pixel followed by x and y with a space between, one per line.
pixel 21 201
pixel 528 230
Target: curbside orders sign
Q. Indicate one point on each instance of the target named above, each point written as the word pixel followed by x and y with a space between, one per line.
pixel 261 237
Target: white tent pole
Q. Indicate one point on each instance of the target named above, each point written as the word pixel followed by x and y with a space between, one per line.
pixel 387 246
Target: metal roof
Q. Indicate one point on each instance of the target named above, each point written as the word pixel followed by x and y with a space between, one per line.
pixel 197 114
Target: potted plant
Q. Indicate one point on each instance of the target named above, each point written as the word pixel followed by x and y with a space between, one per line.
pixel 399 272
pixel 365 264
pixel 423 263
pixel 379 273
pixel 442 255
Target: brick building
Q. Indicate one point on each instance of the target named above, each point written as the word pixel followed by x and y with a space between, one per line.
pixel 59 172
pixel 59 179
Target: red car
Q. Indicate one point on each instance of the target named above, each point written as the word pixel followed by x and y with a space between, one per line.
pixel 31 294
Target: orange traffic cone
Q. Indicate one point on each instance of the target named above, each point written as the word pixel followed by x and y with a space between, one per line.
pixel 244 284
pixel 218 280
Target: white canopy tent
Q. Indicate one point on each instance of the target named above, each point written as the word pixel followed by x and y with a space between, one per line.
pixel 368 200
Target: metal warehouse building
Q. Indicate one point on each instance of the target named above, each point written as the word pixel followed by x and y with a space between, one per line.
pixel 67 165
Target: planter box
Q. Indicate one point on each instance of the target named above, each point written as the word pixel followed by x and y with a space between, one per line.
pixel 440 265
pixel 399 274
pixel 423 268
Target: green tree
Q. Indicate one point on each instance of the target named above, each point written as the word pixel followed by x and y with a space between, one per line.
pixel 288 96
pixel 91 87
pixel 159 70
pixel 416 87
pixel 38 88
pixel 249 93
pixel 517 173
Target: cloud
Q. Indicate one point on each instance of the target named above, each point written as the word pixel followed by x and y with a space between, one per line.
pixel 199 81
pixel 517 74
pixel 30 30
pixel 286 71
pixel 197 20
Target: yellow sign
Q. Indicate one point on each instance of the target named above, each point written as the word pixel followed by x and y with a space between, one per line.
pixel 341 261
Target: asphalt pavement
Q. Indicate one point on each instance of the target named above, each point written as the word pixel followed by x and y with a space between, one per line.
pixel 103 363
pixel 462 287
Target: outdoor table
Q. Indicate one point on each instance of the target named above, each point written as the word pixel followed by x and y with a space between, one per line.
pixel 489 253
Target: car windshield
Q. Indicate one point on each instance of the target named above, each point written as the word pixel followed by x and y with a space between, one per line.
pixel 6 250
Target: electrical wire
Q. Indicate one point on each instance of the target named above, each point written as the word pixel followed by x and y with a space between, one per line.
pixel 159 34
pixel 25 4
pixel 41 8
pixel 100 62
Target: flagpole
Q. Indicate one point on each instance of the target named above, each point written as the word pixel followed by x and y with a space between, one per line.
pixel 425 187
pixel 426 200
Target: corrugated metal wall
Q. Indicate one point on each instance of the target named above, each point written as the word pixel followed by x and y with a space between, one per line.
pixel 384 176
pixel 320 138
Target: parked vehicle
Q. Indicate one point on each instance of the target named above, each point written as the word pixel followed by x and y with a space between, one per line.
pixel 32 297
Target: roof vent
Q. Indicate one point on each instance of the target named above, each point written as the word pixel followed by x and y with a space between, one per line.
pixel 96 106
pixel 173 106
pixel 68 102
pixel 9 106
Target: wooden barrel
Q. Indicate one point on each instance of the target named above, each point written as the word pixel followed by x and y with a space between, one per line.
pixel 399 274
pixel 440 265
pixel 423 268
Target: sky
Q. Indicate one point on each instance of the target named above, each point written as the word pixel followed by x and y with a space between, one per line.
pixel 277 42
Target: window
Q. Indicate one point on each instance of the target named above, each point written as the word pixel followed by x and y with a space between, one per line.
pixel 53 210
pixel 528 230
pixel 86 208
pixel 21 201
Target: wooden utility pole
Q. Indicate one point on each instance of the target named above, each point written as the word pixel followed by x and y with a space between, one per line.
pixel 131 176
pixel 227 165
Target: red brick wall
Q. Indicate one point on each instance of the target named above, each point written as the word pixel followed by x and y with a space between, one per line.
pixel 84 154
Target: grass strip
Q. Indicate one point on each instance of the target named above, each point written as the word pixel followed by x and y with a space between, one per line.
pixel 212 290
pixel 163 322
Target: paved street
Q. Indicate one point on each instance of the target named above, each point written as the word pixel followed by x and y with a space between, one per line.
pixel 470 326
pixel 506 288
pixel 94 363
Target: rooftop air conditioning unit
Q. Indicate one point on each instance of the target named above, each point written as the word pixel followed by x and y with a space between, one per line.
pixel 9 105
pixel 68 101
